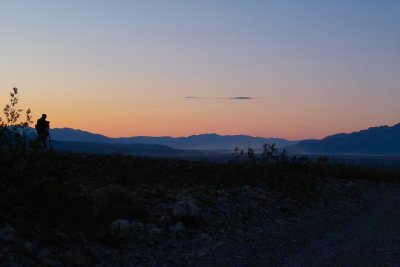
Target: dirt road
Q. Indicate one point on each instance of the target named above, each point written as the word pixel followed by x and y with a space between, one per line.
pixel 359 233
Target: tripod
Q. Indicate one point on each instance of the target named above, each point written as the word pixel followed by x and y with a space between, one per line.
pixel 50 143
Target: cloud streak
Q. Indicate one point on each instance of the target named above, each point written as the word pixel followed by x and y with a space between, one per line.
pixel 240 98
pixel 194 97
pixel 224 98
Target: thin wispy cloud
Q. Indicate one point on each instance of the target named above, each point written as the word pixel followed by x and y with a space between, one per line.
pixel 194 97
pixel 240 98
pixel 224 98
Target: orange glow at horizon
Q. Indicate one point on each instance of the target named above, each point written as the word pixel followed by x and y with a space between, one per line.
pixel 191 121
pixel 125 68
pixel 121 113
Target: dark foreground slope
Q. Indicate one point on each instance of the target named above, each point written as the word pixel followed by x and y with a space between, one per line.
pixel 94 210
pixel 127 149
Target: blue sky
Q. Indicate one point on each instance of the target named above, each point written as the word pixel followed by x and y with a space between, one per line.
pixel 313 67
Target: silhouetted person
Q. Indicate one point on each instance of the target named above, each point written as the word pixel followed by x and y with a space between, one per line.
pixel 42 128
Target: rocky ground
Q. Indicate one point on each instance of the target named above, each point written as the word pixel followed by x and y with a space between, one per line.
pixel 346 223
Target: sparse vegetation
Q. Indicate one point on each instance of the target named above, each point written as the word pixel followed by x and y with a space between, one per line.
pixel 81 194
pixel 114 202
pixel 13 130
pixel 97 189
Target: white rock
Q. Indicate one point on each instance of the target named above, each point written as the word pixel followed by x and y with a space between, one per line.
pixel 185 207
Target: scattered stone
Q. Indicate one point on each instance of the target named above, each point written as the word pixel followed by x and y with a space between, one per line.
pixel 219 244
pixel 25 261
pixel 3 238
pixel 58 263
pixel 4 250
pixel 203 252
pixel 12 238
pixel 122 228
pixel 47 262
pixel 75 256
pixel 155 231
pixel 10 256
pixel 177 228
pixel 12 264
pixel 284 210
pixel 7 229
pixel 43 254
pixel 28 247
pixel 213 192
pixel 186 210
pixel 138 225
pixel 231 212
pixel 8 234
pixel 163 206
pixel 62 237
pixel 351 186
pixel 173 243
pixel 82 238
pixel 165 220
pixel 120 225
pixel 203 197
pixel 205 237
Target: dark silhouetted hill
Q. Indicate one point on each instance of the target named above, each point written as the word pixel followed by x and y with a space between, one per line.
pixel 375 140
pixel 75 135
pixel 200 142
pixel 108 148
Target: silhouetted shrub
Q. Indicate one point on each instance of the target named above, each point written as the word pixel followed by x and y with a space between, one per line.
pixel 73 191
pixel 13 131
pixel 116 202
pixel 61 203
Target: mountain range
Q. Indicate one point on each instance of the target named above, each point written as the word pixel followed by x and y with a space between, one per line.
pixel 382 140
pixel 193 142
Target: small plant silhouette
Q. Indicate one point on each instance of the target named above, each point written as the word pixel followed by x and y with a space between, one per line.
pixel 13 130
pixel 269 153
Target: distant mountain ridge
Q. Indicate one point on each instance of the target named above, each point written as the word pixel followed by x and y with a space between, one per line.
pixel 374 140
pixel 109 148
pixel 381 140
pixel 201 142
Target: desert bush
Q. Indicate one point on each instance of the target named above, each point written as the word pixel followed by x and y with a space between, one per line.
pixel 116 202
pixel 61 203
pixel 13 130
pixel 270 153
pixel 73 191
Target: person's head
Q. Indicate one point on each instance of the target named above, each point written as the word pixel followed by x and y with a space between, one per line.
pixel 44 116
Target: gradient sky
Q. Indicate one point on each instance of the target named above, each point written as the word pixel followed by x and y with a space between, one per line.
pixel 295 69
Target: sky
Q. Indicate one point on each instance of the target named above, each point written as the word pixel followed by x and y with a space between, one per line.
pixel 294 69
